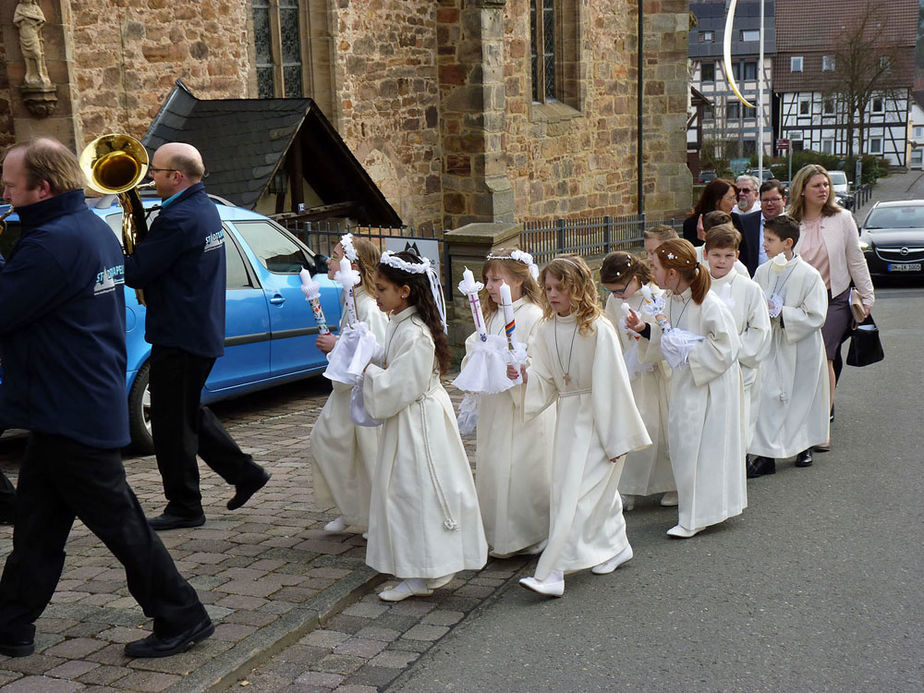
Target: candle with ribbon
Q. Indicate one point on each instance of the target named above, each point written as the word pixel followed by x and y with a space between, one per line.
pixel 470 288
pixel 347 277
pixel 312 291
pixel 655 308
pixel 510 324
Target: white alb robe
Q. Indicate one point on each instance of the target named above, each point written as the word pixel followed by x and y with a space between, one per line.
pixel 646 471
pixel 513 461
pixel 597 421
pixel 424 520
pixel 705 428
pixel 343 454
pixel 794 390
pixel 745 299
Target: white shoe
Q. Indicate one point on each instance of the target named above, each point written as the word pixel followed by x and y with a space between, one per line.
pixel 670 499
pixel 612 564
pixel 552 586
pixel 682 532
pixel 335 526
pixel 628 501
pixel 436 583
pixel 412 587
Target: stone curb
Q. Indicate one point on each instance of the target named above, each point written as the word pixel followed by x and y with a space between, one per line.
pixel 224 670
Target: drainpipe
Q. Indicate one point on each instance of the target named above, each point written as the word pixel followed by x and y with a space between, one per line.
pixel 639 123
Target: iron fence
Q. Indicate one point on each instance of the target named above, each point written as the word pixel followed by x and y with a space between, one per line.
pixel 323 236
pixel 589 236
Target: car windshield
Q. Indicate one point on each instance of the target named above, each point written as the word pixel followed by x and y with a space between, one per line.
pixel 838 177
pixel 896 218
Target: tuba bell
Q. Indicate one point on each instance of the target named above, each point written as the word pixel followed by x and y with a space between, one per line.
pixel 114 165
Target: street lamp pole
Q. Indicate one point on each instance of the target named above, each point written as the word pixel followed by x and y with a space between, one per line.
pixel 760 100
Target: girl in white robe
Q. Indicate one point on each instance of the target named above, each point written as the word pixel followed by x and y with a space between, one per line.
pixel 794 393
pixel 705 427
pixel 343 454
pixel 513 460
pixel 577 365
pixel 647 471
pixel 745 299
pixel 424 522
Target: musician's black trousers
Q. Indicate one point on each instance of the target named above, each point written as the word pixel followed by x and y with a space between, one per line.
pixel 183 428
pixel 61 479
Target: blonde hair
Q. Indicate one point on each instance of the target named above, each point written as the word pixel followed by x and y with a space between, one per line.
pixel 367 257
pixel 680 255
pixel 661 232
pixel 722 236
pixel 46 159
pixel 575 278
pixel 797 189
pixel 517 270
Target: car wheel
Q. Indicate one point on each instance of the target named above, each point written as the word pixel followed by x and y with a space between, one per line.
pixel 139 412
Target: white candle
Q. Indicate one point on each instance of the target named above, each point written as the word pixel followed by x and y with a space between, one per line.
pixel 468 277
pixel 507 305
pixel 346 275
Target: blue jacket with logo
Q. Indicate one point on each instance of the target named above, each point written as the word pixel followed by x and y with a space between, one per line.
pixel 62 326
pixel 180 265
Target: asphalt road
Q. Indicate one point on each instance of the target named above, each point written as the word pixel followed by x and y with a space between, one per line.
pixel 816 587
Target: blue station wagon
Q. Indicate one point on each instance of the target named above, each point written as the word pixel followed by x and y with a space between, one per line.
pixel 270 330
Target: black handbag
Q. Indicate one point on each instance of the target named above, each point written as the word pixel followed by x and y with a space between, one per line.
pixel 865 347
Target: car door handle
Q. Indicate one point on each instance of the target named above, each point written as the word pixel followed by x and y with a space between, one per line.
pixel 277 300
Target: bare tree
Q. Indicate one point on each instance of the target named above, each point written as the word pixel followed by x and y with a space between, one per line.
pixel 863 67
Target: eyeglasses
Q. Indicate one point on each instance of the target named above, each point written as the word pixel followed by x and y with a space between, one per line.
pixel 619 292
pixel 772 200
pixel 151 169
pixel 744 191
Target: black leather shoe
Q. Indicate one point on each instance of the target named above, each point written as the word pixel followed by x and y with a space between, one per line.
pixel 244 490
pixel 804 458
pixel 17 648
pixel 167 521
pixel 759 466
pixel 156 646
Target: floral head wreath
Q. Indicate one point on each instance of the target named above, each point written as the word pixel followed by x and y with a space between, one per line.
pixel 422 267
pixel 671 256
pixel 349 250
pixel 520 256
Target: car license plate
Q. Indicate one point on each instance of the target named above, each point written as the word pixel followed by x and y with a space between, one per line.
pixel 905 267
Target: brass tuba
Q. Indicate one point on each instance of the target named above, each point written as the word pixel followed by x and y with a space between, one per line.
pixel 114 165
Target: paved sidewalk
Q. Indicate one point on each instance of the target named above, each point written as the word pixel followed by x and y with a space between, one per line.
pixel 267 573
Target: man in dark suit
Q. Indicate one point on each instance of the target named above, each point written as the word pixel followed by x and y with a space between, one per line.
pixel 750 227
pixel 181 267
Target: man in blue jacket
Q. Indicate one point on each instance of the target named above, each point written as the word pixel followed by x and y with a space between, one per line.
pixel 180 265
pixel 62 335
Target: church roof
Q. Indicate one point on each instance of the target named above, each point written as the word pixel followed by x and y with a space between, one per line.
pixel 244 143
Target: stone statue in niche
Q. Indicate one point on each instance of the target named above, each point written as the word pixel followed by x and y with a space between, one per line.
pixel 37 90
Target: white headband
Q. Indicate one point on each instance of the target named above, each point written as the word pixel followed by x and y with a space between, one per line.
pixel 349 251
pixel 520 256
pixel 423 267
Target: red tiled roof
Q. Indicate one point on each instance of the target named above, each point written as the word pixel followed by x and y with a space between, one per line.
pixel 817 28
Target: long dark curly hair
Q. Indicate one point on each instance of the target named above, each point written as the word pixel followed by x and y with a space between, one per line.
pixel 421 298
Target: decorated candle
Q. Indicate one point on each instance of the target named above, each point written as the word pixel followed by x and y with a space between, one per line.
pixel 348 280
pixel 654 309
pixel 510 324
pixel 470 288
pixel 312 291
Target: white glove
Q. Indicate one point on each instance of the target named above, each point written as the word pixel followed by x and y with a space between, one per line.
pixel 775 305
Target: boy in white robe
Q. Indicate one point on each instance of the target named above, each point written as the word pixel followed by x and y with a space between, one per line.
pixel 424 520
pixel 343 454
pixel 795 393
pixel 577 365
pixel 745 299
